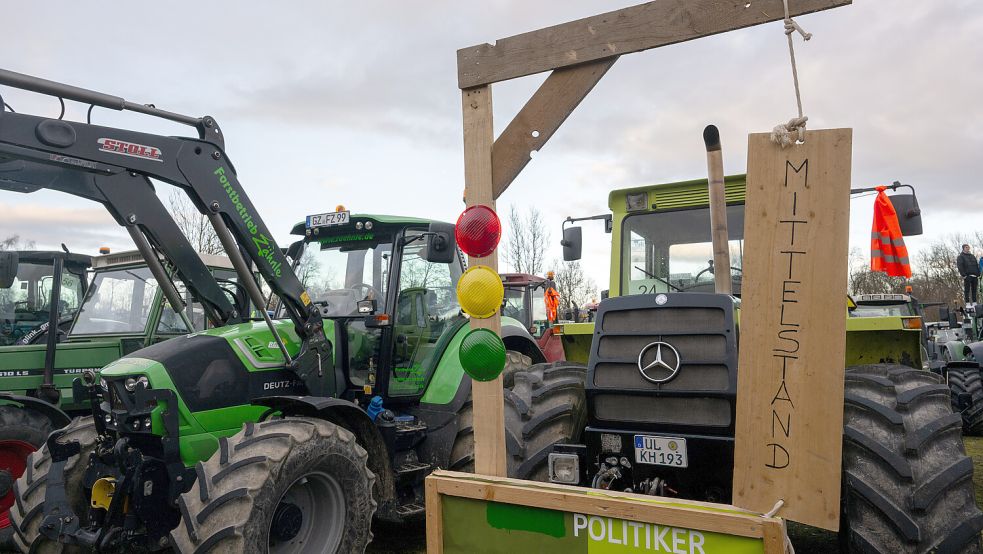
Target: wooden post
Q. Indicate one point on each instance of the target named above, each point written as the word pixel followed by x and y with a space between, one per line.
pixel 789 428
pixel 489 407
pixel 718 211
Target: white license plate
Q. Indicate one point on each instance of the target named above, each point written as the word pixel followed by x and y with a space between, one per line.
pixel 661 451
pixel 328 219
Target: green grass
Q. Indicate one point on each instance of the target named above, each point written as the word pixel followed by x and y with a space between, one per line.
pixel 974 447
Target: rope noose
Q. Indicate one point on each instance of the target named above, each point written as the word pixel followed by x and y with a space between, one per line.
pixel 782 133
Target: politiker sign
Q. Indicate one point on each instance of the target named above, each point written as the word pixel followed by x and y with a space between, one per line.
pixel 481 514
pixel 793 327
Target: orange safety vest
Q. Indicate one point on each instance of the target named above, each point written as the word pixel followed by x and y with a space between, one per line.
pixel 552 298
pixel 887 249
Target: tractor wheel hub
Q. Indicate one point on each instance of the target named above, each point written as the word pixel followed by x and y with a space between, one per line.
pixel 287 520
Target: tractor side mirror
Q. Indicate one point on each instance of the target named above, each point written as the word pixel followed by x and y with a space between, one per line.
pixel 573 243
pixel 440 248
pixel 8 269
pixel 293 251
pixel 909 214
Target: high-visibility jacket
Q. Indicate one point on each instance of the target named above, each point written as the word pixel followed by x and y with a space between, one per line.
pixel 552 298
pixel 887 249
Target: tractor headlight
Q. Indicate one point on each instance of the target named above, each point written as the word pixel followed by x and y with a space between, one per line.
pixel 131 383
pixel 104 384
pixel 564 468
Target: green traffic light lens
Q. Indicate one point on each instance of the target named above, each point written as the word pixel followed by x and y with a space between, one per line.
pixel 482 354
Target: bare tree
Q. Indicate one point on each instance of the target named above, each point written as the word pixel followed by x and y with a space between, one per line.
pixel 194 225
pixel 13 242
pixel 528 237
pixel 575 288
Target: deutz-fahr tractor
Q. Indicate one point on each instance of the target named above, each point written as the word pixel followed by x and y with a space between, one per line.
pixel 668 428
pixel 124 311
pixel 286 434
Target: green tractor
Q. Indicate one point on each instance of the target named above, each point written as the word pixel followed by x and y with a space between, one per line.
pixel 123 311
pixel 668 430
pixel 284 434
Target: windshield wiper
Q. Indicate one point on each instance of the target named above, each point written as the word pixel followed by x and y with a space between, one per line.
pixel 659 278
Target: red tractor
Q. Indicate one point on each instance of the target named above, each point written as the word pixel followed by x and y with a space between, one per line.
pixel 525 302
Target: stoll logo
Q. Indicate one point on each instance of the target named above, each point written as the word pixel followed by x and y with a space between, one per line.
pixel 130 149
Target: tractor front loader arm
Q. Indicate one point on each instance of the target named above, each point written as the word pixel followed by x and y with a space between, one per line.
pixel 131 200
pixel 199 166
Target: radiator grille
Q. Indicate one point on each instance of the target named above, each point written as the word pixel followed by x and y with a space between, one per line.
pixel 700 327
pixel 704 412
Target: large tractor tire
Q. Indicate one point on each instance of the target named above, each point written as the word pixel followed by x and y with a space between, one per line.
pixel 544 406
pixel 514 361
pixel 907 482
pixel 462 452
pixel 294 485
pixel 28 509
pixel 967 381
pixel 22 431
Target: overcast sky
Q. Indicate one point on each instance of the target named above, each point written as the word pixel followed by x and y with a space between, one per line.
pixel 356 103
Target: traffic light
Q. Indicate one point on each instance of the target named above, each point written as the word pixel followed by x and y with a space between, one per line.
pixel 480 292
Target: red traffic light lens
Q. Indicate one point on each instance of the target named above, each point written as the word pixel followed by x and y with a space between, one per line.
pixel 478 231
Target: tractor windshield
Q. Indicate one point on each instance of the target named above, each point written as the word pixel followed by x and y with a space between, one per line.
pixel 672 251
pixel 338 276
pixel 24 306
pixel 123 301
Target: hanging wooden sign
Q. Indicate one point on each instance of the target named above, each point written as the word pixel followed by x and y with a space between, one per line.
pixel 793 327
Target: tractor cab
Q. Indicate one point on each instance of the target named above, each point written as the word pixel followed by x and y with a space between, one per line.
pixel 389 305
pixel 667 248
pixel 26 305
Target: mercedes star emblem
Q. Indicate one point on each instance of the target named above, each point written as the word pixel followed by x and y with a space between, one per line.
pixel 666 359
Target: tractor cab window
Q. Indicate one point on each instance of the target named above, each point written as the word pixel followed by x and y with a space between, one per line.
pixel 118 301
pixel 426 317
pixel 672 251
pixel 24 305
pixel 339 276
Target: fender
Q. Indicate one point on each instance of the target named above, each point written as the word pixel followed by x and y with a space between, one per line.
pixel 517 338
pixel 351 417
pixel 57 417
pixel 955 350
pixel 975 349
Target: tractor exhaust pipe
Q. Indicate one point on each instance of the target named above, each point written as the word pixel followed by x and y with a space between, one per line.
pixel 718 211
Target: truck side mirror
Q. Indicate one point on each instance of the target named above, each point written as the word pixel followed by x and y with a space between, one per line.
pixel 573 242
pixel 440 248
pixel 909 214
pixel 8 269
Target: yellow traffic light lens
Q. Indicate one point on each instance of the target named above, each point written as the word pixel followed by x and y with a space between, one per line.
pixel 480 292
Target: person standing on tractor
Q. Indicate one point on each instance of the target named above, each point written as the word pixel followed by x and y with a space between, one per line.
pixel 552 297
pixel 969 270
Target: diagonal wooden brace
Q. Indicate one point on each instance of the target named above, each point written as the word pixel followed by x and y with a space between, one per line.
pixel 542 115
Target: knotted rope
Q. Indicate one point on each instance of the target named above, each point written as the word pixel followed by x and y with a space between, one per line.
pixel 782 133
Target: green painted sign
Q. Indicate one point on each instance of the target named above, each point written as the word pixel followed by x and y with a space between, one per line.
pixel 475 526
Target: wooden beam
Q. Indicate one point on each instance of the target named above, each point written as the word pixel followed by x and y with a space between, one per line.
pixel 616 33
pixel 542 115
pixel 487 397
pixel 435 518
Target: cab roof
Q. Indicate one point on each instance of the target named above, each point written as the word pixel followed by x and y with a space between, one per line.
pixel 392 220
pixel 48 256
